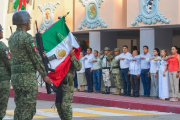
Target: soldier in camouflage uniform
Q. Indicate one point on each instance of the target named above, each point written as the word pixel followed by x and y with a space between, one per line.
pixel 5 76
pixel 25 61
pixel 115 68
pixel 106 59
pixel 64 105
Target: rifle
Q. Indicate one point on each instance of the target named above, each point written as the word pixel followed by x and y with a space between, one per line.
pixel 45 59
pixel 11 30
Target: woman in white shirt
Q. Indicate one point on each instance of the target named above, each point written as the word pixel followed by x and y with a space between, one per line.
pixel 81 74
pixel 163 76
pixel 154 67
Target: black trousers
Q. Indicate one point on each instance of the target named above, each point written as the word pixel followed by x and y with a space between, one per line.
pixel 89 78
pixel 135 83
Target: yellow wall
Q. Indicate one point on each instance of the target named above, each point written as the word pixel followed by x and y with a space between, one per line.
pixel 112 12
pixel 169 9
pixel 61 9
pixel 117 14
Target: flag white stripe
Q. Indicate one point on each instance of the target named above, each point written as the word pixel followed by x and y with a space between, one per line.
pixel 66 45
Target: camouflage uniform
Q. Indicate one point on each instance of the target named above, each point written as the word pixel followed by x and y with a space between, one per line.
pixel 106 59
pixel 5 76
pixel 25 62
pixel 64 107
pixel 115 68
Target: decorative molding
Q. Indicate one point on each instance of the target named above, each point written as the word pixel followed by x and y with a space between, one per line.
pixel 149 13
pixel 92 19
pixel 47 15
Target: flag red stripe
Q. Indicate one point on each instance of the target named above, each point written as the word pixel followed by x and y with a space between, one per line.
pixel 62 69
pixel 20 4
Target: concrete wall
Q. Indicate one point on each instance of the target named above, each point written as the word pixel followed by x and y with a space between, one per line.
pixel 108 39
pixel 121 42
pixel 176 40
pixel 163 39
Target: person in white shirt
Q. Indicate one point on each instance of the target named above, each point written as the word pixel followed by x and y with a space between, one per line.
pixel 81 74
pixel 88 71
pixel 124 66
pixel 154 67
pixel 145 73
pixel 135 71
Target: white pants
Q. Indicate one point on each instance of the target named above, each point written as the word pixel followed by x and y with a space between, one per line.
pixel 106 77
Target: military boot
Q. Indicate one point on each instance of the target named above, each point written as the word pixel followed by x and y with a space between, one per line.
pixel 105 91
pixel 118 92
pixel 108 90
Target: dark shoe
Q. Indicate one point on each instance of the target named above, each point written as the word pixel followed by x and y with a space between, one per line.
pixel 154 97
pixel 122 94
pixel 105 91
pixel 97 91
pixel 146 96
pixel 90 91
pixel 128 95
pixel 132 96
pixel 108 90
pixel 136 96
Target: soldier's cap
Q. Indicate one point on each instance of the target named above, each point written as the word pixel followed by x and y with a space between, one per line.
pixel 21 17
pixel 1 28
pixel 106 49
pixel 116 50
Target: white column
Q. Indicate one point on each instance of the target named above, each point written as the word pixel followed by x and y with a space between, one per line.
pixel 147 37
pixel 95 40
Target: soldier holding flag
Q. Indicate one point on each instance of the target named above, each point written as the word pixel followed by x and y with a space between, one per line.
pixel 60 41
pixel 25 61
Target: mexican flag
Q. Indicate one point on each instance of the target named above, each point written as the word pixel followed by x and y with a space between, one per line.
pixel 59 41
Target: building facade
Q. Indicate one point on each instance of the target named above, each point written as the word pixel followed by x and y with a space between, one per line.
pixel 111 23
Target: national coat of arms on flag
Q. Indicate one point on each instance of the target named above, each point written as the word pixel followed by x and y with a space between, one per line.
pixel 60 41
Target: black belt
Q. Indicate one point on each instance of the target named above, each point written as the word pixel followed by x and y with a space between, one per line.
pixel 106 68
pixel 115 67
pixel 87 68
pixel 144 69
pixel 124 68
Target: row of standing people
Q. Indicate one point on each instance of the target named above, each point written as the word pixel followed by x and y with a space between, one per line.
pixel 157 70
pixel 95 66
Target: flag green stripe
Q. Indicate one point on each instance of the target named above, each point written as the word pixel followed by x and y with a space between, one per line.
pixel 55 35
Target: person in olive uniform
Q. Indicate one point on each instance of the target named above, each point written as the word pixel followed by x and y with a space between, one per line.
pixel 115 69
pixel 64 105
pixel 5 76
pixel 25 61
